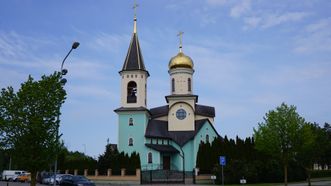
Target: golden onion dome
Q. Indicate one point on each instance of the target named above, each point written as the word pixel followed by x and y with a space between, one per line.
pixel 181 60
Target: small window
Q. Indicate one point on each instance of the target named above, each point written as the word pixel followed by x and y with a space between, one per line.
pixel 150 157
pixel 173 85
pixel 130 142
pixel 207 138
pixel 189 84
pixel 130 122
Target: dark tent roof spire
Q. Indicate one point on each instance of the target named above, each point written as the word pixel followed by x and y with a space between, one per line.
pixel 134 59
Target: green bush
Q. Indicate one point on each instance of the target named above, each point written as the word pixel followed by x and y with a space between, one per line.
pixel 321 173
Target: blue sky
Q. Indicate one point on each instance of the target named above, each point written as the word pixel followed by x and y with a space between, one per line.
pixel 249 57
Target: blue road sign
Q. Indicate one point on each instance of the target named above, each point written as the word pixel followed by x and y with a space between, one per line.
pixel 222 160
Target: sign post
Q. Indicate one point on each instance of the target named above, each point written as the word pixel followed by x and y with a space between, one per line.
pixel 222 163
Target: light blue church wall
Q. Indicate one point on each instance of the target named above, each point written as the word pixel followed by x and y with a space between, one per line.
pixel 176 160
pixel 189 158
pixel 156 159
pixel 191 148
pixel 136 132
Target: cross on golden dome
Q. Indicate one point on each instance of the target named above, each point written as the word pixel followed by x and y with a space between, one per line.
pixel 180 60
pixel 180 35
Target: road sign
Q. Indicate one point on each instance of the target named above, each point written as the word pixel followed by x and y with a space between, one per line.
pixel 222 160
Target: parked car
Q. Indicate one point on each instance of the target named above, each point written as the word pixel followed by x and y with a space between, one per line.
pixel 76 181
pixel 41 176
pixel 58 178
pixel 64 177
pixel 25 177
pixel 46 178
pixel 14 178
pixel 11 175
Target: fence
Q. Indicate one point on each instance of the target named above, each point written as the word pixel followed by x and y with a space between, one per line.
pixel 122 174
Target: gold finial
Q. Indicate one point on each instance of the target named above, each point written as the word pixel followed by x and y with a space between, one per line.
pixel 135 6
pixel 180 35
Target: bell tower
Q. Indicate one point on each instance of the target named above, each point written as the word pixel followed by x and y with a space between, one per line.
pixel 133 74
pixel 133 114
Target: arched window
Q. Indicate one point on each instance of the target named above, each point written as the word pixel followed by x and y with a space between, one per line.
pixel 150 157
pixel 132 92
pixel 173 85
pixel 130 142
pixel 189 88
pixel 130 122
pixel 207 138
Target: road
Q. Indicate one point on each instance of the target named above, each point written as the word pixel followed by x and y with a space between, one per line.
pixel 315 183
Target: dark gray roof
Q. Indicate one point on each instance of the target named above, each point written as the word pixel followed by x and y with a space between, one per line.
pixel 202 110
pixel 124 109
pixel 134 59
pixel 163 148
pixel 159 129
pixel 159 111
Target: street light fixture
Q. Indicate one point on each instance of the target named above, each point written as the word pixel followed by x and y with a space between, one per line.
pixel 65 71
pixel 63 82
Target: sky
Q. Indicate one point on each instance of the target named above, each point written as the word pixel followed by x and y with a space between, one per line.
pixel 249 56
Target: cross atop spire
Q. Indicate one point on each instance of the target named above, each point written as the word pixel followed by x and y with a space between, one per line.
pixel 134 59
pixel 180 35
pixel 135 6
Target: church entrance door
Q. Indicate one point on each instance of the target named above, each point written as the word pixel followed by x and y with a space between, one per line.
pixel 166 162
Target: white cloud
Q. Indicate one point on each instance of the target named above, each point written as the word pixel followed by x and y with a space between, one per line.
pixel 16 46
pixel 265 20
pixel 319 25
pixel 252 22
pixel 216 2
pixel 109 42
pixel 88 69
pixel 207 19
pixel 315 37
pixel 274 19
pixel 10 44
pixel 92 91
pixel 240 8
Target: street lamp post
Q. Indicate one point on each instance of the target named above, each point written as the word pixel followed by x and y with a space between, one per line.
pixel 63 81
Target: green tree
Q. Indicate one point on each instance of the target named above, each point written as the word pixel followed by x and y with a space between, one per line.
pixel 279 134
pixel 29 122
pixel 204 162
pixel 326 156
pixel 313 147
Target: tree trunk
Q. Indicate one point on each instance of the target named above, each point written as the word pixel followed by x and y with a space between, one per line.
pixel 33 178
pixel 285 174
pixel 308 176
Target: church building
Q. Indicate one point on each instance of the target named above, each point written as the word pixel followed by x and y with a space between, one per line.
pixel 166 137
